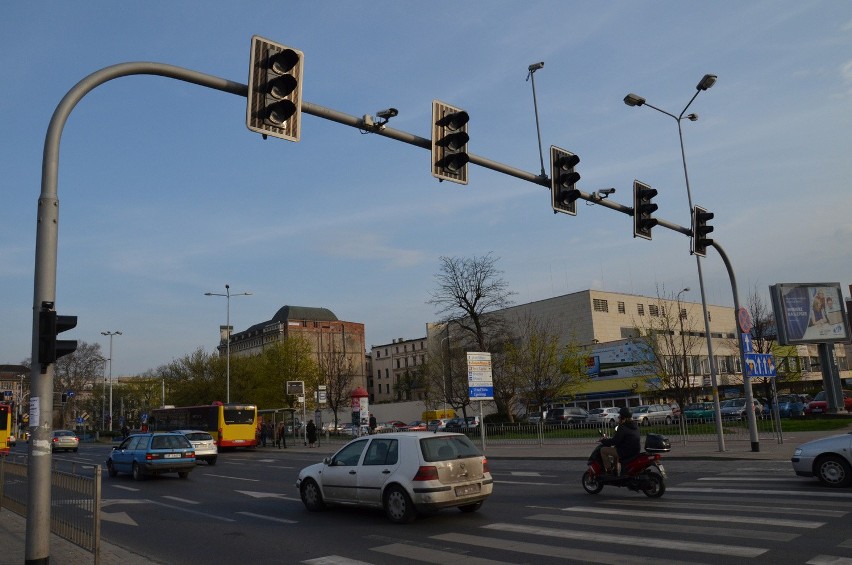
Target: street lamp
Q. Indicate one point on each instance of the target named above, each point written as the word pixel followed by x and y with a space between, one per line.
pixel 227 295
pixel 632 99
pixel 682 337
pixel 110 334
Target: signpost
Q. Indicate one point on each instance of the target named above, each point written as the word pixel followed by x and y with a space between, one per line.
pixel 480 385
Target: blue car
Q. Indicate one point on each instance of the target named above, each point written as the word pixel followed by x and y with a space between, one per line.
pixel 789 406
pixel 142 455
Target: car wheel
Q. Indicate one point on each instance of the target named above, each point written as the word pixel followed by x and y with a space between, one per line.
pixel 183 474
pixel 398 506
pixel 833 471
pixel 652 484
pixel 592 485
pixel 111 469
pixel 471 507
pixel 646 422
pixel 669 420
pixel 211 461
pixel 311 496
pixel 138 474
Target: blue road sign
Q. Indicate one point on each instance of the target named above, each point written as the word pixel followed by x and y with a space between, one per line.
pixel 760 365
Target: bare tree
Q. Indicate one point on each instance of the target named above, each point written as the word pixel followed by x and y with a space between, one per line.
pixel 76 374
pixel 337 371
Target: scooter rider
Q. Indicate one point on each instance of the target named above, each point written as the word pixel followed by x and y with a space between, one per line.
pixel 624 445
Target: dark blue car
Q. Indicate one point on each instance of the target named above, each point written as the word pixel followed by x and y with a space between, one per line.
pixel 142 455
pixel 789 406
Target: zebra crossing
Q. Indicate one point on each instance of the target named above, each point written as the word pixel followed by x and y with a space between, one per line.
pixel 747 516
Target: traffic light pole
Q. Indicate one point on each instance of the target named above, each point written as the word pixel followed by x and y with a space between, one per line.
pixel 42 379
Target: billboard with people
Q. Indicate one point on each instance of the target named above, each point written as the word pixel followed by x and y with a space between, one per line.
pixel 809 313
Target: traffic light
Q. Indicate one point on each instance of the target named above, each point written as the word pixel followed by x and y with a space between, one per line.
pixel 275 89
pixel 563 194
pixel 643 209
pixel 49 326
pixel 449 142
pixel 700 229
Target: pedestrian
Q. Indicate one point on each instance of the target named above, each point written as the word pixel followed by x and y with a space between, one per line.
pixel 282 435
pixel 264 431
pixel 373 424
pixel 312 433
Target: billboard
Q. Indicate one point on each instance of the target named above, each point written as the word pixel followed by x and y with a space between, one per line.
pixel 809 313
pixel 619 359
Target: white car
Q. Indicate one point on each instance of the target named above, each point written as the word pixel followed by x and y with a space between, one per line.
pixel 829 459
pixel 603 416
pixel 204 444
pixel 403 473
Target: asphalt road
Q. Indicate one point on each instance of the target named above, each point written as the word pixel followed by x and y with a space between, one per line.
pixel 714 511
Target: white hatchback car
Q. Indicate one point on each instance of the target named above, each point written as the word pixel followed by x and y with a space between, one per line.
pixel 204 444
pixel 607 416
pixel 829 459
pixel 403 473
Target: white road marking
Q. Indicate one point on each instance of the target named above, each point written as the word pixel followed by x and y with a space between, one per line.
pixel 182 500
pixel 334 560
pixel 814 493
pixel 119 518
pixel 433 555
pixel 270 518
pixel 705 518
pixel 232 478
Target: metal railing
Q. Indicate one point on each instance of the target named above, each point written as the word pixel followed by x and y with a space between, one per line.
pixel 75 501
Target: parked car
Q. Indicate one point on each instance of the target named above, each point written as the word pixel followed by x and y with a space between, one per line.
pixel 142 455
pixel 735 409
pixel 789 406
pixel 437 425
pixel 570 416
pixel 404 474
pixel 65 440
pixel 829 459
pixel 462 424
pixel 603 416
pixel 819 405
pixel 416 426
pixel 700 412
pixel 393 425
pixel 648 414
pixel 536 417
pixel 204 444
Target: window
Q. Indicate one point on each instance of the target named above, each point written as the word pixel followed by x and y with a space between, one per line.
pixel 683 313
pixel 378 354
pixel 382 452
pixel 653 310
pixel 600 305
pixel 379 373
pixel 397 363
pixel 640 308
pixel 621 308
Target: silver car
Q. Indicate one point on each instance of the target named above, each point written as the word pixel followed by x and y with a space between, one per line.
pixel 829 459
pixel 204 444
pixel 403 473
pixel 607 416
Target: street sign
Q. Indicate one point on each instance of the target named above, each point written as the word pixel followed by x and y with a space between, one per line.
pixel 296 388
pixel 746 341
pixel 760 365
pixel 480 385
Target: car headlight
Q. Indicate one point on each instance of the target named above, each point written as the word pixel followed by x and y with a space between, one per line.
pixel 797 452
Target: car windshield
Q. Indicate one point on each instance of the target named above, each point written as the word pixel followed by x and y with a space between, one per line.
pixel 199 436
pixel 736 403
pixel 640 409
pixel 596 411
pixel 169 442
pixel 820 395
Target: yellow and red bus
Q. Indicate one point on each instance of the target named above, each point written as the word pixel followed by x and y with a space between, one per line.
pixel 231 425
pixel 5 428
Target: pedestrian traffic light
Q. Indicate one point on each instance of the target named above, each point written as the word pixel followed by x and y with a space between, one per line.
pixel 49 325
pixel 449 142
pixel 563 194
pixel 274 89
pixel 643 209
pixel 700 229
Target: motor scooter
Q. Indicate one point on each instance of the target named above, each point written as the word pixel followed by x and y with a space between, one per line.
pixel 643 473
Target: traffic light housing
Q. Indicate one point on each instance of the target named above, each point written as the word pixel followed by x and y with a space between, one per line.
pixel 700 229
pixel 449 142
pixel 49 326
pixel 563 177
pixel 275 89
pixel 643 209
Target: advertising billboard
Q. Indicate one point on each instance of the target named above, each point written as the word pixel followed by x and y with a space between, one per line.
pixel 809 313
pixel 619 359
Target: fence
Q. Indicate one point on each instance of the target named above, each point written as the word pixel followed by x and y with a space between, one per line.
pixel 75 501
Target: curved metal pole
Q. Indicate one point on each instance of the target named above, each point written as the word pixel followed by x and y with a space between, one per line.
pixel 44 288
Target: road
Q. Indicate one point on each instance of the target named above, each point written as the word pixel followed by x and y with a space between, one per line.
pixel 718 511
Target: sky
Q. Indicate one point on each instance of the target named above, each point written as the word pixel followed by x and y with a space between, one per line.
pixel 165 194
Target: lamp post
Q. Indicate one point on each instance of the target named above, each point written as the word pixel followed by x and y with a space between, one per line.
pixel 228 296
pixel 110 334
pixel 707 81
pixel 682 338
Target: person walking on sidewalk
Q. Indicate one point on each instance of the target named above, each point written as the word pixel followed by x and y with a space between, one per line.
pixel 312 433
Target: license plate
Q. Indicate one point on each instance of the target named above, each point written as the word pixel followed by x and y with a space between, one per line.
pixel 467 490
pixel 662 471
pixel 172 455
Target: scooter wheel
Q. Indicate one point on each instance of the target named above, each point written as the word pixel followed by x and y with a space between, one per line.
pixel 653 484
pixel 592 485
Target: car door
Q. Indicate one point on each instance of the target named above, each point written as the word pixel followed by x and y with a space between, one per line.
pixel 122 456
pixel 380 462
pixel 340 476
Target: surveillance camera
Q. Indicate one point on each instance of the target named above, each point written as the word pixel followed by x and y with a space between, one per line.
pixel 536 66
pixel 606 191
pixel 387 114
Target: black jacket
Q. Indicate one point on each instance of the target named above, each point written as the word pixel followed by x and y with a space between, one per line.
pixel 626 440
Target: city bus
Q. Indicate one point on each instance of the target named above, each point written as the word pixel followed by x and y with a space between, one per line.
pixel 231 425
pixel 5 428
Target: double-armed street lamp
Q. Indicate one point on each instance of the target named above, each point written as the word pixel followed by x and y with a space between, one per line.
pixel 707 81
pixel 110 334
pixel 228 296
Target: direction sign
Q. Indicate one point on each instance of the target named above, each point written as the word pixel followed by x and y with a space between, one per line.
pixel 480 385
pixel 760 365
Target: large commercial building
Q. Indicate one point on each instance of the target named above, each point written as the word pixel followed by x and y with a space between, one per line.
pixel 397 370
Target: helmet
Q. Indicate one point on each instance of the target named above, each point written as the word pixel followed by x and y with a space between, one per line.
pixel 625 412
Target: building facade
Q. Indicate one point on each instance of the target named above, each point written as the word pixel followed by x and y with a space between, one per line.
pixel 397 371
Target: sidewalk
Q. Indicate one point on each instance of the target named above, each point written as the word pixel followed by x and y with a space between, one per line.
pixel 62 552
